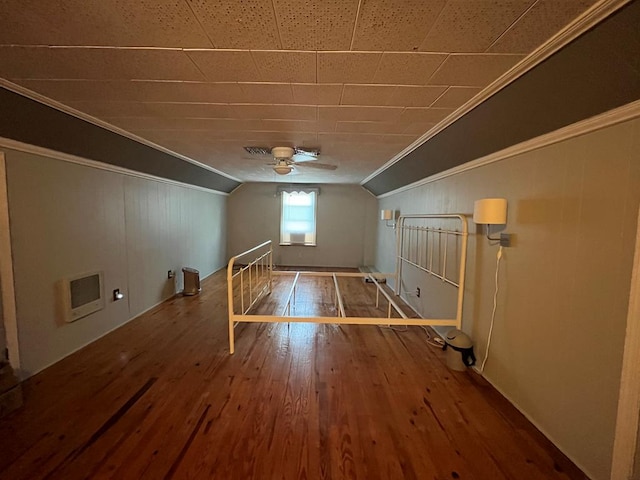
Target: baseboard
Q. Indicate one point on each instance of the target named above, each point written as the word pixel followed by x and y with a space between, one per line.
pixel 23 375
pixel 531 420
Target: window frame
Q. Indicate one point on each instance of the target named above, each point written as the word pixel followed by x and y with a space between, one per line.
pixel 290 243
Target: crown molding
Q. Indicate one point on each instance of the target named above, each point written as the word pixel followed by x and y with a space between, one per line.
pixel 604 120
pixel 66 157
pixel 594 15
pixel 25 92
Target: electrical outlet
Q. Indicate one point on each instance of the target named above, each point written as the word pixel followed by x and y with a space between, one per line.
pixel 418 292
pixel 171 274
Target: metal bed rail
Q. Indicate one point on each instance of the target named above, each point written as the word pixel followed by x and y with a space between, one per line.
pixel 292 295
pixel 341 318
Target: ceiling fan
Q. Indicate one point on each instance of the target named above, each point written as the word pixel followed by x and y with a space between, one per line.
pixel 287 157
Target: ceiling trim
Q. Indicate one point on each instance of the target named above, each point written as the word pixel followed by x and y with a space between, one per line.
pixel 594 15
pixel 25 92
pixel 67 157
pixel 599 122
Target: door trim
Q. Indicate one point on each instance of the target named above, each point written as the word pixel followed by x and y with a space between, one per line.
pixel 6 274
pixel 626 434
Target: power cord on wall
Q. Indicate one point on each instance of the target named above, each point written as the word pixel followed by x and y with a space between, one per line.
pixel 493 313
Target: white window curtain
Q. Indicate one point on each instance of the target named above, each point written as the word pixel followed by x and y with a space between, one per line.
pixel 298 218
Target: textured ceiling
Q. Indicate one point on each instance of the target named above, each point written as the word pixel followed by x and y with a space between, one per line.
pixel 359 79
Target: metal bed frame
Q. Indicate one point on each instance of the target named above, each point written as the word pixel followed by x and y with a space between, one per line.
pixel 415 248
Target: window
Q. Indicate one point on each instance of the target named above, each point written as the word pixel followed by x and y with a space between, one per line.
pixel 298 218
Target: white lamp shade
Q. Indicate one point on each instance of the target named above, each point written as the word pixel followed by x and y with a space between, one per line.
pixel 490 211
pixel 386 214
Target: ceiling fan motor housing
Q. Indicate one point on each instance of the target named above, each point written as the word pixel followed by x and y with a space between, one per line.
pixel 282 152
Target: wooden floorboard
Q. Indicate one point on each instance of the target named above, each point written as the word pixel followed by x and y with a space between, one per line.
pixel 161 398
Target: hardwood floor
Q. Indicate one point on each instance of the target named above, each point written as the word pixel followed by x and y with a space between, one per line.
pixel 161 398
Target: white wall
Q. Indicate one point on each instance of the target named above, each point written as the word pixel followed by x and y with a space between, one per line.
pixel 169 227
pixel 68 219
pixel 559 332
pixel 346 222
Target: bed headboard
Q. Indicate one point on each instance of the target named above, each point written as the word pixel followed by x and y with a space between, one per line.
pixel 432 249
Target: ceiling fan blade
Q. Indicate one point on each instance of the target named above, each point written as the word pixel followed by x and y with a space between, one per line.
pixel 322 166
pixel 307 151
pixel 255 150
pixel 304 157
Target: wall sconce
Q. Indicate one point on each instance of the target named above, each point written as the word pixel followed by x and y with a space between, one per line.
pixel 387 215
pixel 492 211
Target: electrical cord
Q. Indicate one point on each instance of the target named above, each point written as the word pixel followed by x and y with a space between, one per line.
pixel 493 313
pixel 434 342
pixel 395 328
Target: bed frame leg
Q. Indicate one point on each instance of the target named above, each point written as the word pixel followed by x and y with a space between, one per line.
pixel 231 338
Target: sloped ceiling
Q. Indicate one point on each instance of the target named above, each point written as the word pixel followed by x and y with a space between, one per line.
pixel 360 79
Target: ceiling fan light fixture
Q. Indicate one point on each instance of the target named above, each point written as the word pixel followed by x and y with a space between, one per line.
pixel 282 169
